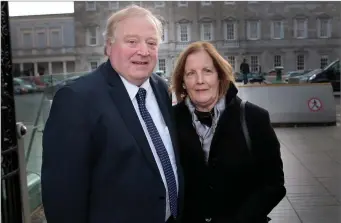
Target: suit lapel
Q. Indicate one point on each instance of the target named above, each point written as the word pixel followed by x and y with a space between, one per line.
pixel 121 99
pixel 161 100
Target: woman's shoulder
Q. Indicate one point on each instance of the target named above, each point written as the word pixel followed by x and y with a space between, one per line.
pixel 180 107
pixel 255 112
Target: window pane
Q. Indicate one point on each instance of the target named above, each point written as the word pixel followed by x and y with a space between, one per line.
pixel 254 64
pixel 41 40
pixel 27 40
pixel 300 62
pixel 230 31
pixel 55 39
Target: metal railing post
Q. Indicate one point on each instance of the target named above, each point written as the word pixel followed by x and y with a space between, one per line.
pixel 26 212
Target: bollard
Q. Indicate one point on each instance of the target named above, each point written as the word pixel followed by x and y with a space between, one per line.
pixel 279 74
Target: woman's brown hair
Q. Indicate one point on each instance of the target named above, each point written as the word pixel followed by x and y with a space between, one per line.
pixel 224 69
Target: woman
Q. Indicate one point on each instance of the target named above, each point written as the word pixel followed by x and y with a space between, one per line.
pixel 225 181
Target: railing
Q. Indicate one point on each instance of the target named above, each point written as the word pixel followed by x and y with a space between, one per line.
pixel 44 51
pixel 32 109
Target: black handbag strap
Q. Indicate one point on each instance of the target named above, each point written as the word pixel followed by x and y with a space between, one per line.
pixel 244 125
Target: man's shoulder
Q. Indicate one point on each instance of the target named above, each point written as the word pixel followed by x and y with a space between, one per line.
pixel 86 84
pixel 159 80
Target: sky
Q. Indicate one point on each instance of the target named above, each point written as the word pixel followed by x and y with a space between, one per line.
pixel 39 8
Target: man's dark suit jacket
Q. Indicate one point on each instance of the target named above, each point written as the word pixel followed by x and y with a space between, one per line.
pixel 97 163
pixel 236 185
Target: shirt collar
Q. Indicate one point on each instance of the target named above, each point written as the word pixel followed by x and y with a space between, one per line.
pixel 133 89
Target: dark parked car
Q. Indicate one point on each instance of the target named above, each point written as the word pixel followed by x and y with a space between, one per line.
pixel 330 74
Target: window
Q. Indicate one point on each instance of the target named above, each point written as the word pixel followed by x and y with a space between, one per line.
pixel 93 65
pixel 300 62
pixel 324 61
pixel 113 5
pixel 206 31
pixel 162 65
pixel 230 31
pixel 323 28
pixel 253 31
pixel 205 3
pixel 27 38
pixel 300 28
pixel 277 30
pixel 90 6
pixel 232 61
pixel 159 4
pixel 164 37
pixel 184 32
pixel 277 61
pixel 41 40
pixel 55 38
pixel 254 64
pixel 92 36
pixel 182 4
pixel 139 3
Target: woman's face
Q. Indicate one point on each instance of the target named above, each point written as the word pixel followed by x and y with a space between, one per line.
pixel 201 80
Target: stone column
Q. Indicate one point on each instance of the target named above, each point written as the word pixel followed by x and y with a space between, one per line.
pixel 64 67
pixel 35 72
pixel 50 68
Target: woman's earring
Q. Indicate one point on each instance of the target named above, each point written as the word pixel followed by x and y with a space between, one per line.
pixel 183 86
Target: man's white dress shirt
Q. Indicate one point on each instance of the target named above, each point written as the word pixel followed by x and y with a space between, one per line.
pixel 155 113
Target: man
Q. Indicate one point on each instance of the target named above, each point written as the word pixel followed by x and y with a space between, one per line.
pixel 109 147
pixel 245 70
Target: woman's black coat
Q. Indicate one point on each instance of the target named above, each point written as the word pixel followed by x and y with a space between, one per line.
pixel 236 185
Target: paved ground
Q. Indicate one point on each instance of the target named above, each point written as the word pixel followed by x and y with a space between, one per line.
pixel 312 166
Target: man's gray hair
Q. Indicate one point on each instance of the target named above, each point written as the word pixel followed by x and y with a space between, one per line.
pixel 128 12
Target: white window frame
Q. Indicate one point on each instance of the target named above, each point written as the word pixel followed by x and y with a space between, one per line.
pixel 305 25
pixel 206 3
pixel 235 30
pixel 281 34
pixel 158 64
pixel 202 31
pixel 38 31
pixel 90 64
pixel 88 6
pixel 249 30
pixel 276 60
pixel 188 32
pixel 59 30
pixel 159 4
pixel 114 5
pixel 297 62
pixel 229 2
pixel 324 57
pixel 27 31
pixel 165 33
pixel 329 27
pixel 88 37
pixel 182 3
pixel 254 68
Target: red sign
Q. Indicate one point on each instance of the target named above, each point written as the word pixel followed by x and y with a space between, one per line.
pixel 315 104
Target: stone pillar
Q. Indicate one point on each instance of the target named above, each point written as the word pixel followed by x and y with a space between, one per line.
pixel 64 67
pixel 35 72
pixel 21 68
pixel 50 68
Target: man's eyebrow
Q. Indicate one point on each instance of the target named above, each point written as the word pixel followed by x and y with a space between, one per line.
pixel 129 36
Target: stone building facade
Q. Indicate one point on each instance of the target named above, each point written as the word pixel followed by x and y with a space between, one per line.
pixel 295 35
pixel 43 44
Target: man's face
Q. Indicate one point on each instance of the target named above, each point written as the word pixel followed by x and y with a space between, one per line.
pixel 135 49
